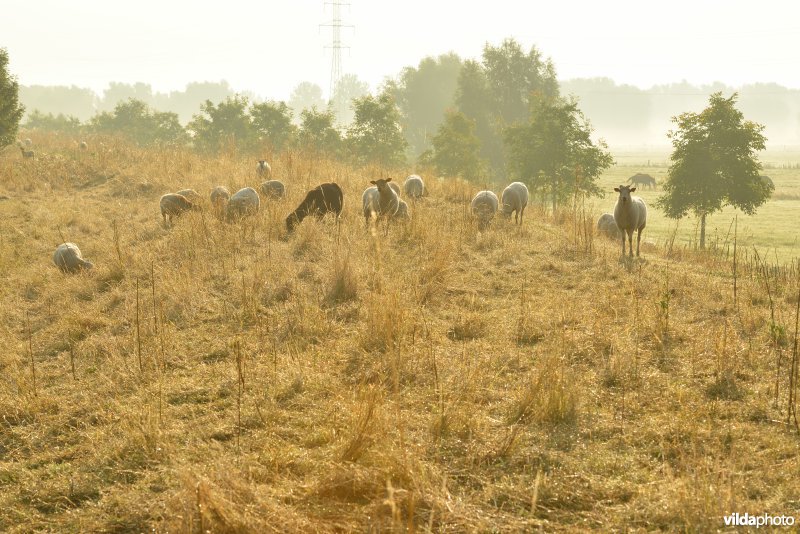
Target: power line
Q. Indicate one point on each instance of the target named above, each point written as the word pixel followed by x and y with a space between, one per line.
pixel 336 45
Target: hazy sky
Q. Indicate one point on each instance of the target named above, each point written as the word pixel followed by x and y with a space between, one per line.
pixel 267 47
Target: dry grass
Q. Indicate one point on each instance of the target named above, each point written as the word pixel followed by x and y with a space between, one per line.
pixel 424 378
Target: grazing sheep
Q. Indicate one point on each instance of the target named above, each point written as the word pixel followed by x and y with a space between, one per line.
pixel 325 198
pixel 173 205
pixel 515 198
pixel 273 189
pixel 69 259
pixel 402 211
pixel 244 202
pixel 26 153
pixel 380 199
pixel 263 168
pixel 220 196
pixel 414 187
pixel 642 179
pixel 607 226
pixel 84 145
pixel 630 214
pixel 767 180
pixel 191 195
pixel 28 142
pixel 484 207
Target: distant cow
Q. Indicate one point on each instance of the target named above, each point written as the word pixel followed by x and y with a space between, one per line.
pixel 640 179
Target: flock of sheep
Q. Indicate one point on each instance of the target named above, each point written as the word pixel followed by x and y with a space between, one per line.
pixel 381 200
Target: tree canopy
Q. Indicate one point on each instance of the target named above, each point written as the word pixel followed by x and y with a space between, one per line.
pixel 10 109
pixel 135 120
pixel 375 135
pixel 455 147
pixel 714 163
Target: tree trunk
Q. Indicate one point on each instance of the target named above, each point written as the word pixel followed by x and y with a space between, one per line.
pixel 703 231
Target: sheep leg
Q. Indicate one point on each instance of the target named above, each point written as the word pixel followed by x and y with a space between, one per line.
pixel 638 240
pixel 521 213
pixel 623 243
pixel 630 242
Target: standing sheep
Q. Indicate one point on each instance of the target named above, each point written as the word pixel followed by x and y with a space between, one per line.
pixel 607 226
pixel 325 198
pixel 69 259
pixel 414 187
pixel 26 153
pixel 191 195
pixel 395 187
pixel 173 205
pixel 263 168
pixel 84 146
pixel 484 207
pixel 402 211
pixel 220 195
pixel 273 189
pixel 630 214
pixel 28 142
pixel 380 199
pixel 244 202
pixel 515 198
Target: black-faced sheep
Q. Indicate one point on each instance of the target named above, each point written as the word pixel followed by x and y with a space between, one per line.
pixel 173 205
pixel 484 207
pixel 244 202
pixel 273 189
pixel 69 259
pixel 325 198
pixel 414 187
pixel 514 199
pixel 263 168
pixel 607 226
pixel 630 214
pixel 380 199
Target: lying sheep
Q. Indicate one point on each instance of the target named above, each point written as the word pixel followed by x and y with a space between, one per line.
pixel 325 198
pixel 606 225
pixel 515 198
pixel 173 205
pixel 630 214
pixel 263 168
pixel 414 187
pixel 191 195
pixel 484 207
pixel 69 259
pixel 273 189
pixel 380 199
pixel 244 202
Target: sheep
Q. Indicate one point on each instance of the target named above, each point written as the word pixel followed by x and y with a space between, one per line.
pixel 380 199
pixel 273 189
pixel 402 211
pixel 325 198
pixel 69 259
pixel 83 145
pixel 244 202
pixel 414 187
pixel 484 207
pixel 26 153
pixel 607 226
pixel 219 197
pixel 515 198
pixel 173 205
pixel 28 142
pixel 630 214
pixel 263 168
pixel 191 195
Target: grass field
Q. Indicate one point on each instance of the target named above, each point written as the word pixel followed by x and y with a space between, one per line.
pixel 425 377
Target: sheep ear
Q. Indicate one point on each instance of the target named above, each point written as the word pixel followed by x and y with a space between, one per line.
pixel 373 182
pixel 388 180
pixel 633 189
pixel 616 189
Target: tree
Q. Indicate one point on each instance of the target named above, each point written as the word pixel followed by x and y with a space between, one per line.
pixel 223 125
pixel 135 120
pixel 554 153
pixel 348 89
pixel 423 94
pixel 10 109
pixel 305 95
pixel 272 122
pixel 317 132
pixel 39 121
pixel 375 135
pixel 714 163
pixel 455 147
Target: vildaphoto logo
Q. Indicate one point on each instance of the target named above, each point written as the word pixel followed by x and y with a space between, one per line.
pixel 763 520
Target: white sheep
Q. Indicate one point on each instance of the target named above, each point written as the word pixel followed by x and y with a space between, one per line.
pixel 273 189
pixel 83 145
pixel 263 168
pixel 191 195
pixel 69 259
pixel 484 207
pixel 220 195
pixel 414 187
pixel 630 214
pixel 172 205
pixel 380 199
pixel 244 202
pixel 402 211
pixel 607 226
pixel 515 198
